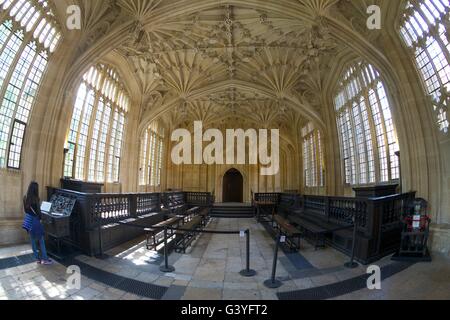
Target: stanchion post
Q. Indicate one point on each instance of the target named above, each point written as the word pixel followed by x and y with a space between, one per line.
pixel 273 283
pixel 166 268
pixel 247 272
pixel 352 264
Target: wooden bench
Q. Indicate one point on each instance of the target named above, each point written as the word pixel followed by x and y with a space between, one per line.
pixel 292 234
pixel 185 237
pixel 315 228
pixel 204 213
pixel 155 235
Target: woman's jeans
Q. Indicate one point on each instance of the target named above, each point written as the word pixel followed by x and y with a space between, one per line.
pixel 41 241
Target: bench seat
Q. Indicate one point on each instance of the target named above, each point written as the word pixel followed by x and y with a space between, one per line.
pixel 293 235
pixel 186 236
pixel 169 222
pixel 155 235
pixel 190 225
pixel 315 227
pixel 288 228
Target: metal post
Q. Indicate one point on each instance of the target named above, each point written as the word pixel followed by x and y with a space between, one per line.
pixel 352 264
pixel 166 268
pixel 247 272
pixel 273 283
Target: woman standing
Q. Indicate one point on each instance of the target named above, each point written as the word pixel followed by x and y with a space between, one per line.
pixel 31 203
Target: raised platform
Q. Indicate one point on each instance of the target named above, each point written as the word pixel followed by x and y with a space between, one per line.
pixel 232 210
pixel 232 204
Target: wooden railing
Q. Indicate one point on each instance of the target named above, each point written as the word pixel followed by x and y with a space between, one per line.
pixel 147 203
pixel 287 202
pixel 377 219
pixel 109 208
pixel 315 204
pixel 105 208
pixel 94 211
pixel 202 199
pixel 179 200
pixel 266 197
pixel 342 209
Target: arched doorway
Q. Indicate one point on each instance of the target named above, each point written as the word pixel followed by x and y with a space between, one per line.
pixel 233 186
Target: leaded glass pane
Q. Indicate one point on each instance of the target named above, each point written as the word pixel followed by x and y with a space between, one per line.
pixel 366 129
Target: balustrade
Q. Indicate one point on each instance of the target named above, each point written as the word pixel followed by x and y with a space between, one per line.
pixel 378 219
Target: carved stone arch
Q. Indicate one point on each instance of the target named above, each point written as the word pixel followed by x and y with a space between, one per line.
pixel 66 96
pixel 128 78
pixel 219 179
pixel 161 125
pixel 75 82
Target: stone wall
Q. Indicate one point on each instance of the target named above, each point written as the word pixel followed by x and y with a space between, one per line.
pixel 11 207
pixel 440 238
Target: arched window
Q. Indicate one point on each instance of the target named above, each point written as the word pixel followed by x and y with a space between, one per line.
pixel 151 156
pixel 366 130
pixel 313 161
pixel 94 144
pixel 28 35
pixel 424 29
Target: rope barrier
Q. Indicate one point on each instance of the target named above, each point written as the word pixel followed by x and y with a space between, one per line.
pixel 247 272
pixel 180 229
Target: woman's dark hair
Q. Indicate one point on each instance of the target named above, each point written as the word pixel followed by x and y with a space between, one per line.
pixel 32 196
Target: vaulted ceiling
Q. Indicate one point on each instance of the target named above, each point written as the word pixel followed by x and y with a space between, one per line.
pixel 230 46
pixel 240 61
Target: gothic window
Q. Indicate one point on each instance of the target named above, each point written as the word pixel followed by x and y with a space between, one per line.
pixel 28 36
pixel 313 161
pixel 424 30
pixel 366 130
pixel 94 142
pixel 151 156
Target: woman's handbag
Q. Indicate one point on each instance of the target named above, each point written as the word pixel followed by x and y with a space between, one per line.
pixel 27 222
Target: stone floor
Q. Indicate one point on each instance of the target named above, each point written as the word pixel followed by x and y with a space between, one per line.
pixel 210 271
